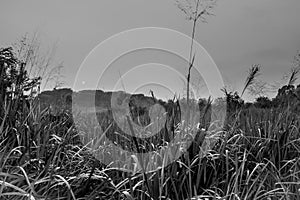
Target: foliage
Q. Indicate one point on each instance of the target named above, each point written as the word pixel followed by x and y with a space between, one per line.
pixel 257 158
pixel 43 156
pixel 15 86
pixel 263 102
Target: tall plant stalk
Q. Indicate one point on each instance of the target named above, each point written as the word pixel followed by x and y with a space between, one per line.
pixel 250 80
pixel 293 76
pixel 194 10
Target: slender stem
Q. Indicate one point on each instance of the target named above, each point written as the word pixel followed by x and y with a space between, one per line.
pixel 191 62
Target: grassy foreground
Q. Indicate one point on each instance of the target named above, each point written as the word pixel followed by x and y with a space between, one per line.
pixel 42 156
pixel 256 157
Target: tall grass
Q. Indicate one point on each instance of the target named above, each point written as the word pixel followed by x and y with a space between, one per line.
pixel 42 156
pixel 256 158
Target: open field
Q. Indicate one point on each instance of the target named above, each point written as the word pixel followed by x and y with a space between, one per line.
pixel 140 110
pixel 256 156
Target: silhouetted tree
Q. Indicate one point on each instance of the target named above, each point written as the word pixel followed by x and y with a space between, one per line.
pixel 287 95
pixel 15 84
pixel 16 91
pixel 263 102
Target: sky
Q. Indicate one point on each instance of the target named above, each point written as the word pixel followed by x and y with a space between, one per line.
pixel 241 33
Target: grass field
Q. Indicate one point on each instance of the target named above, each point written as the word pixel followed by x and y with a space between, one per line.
pixel 255 157
pixel 255 154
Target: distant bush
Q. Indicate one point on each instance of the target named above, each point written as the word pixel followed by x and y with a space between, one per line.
pixel 17 91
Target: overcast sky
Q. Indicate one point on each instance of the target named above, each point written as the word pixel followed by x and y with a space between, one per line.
pixel 241 33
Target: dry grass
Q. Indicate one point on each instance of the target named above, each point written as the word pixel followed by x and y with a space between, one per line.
pixel 256 158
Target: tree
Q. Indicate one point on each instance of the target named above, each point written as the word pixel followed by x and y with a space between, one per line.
pixel 263 102
pixel 233 101
pixel 15 85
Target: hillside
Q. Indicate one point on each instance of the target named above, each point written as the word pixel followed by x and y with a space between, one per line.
pixel 62 98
